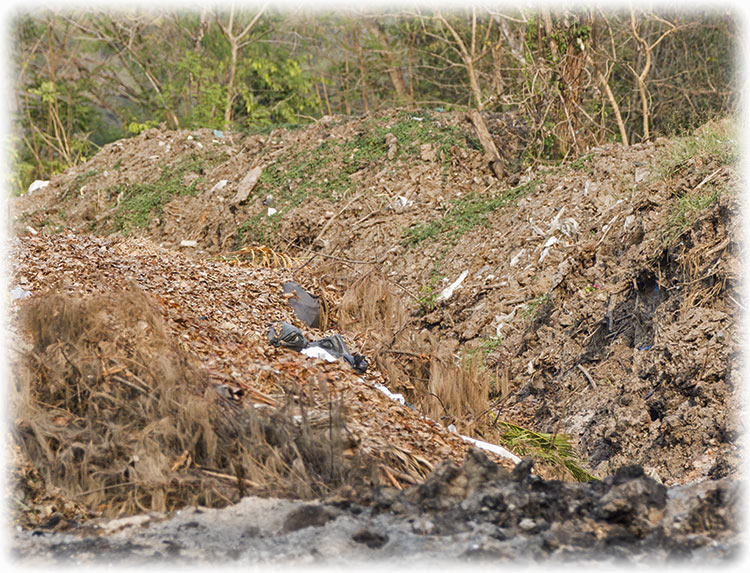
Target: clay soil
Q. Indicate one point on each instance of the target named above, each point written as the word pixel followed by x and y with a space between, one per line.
pixel 599 300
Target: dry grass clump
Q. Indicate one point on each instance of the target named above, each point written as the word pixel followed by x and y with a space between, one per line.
pixel 415 362
pixel 110 410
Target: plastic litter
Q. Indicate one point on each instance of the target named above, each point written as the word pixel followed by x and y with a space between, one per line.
pixel 219 185
pixel 306 306
pixel 336 346
pixel 395 397
pixel 318 352
pixel 448 291
pixel 38 184
pixel 283 334
pixel 19 292
pixel 330 348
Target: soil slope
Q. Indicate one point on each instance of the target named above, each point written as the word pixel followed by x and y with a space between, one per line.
pixel 590 304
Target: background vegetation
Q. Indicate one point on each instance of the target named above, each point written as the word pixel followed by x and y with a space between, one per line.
pixel 575 78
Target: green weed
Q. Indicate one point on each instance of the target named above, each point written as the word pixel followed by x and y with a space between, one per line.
pixel 553 449
pixel 325 171
pixel 685 211
pixel 536 306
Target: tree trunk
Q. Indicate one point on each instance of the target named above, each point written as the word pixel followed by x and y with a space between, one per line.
pixel 362 72
pixel 391 61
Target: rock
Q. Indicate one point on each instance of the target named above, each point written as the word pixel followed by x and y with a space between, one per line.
pixel 370 538
pixel 307 516
pixel 247 184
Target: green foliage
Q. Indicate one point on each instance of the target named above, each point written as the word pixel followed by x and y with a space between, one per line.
pixel 136 128
pixel 464 214
pixel 685 211
pixel 582 163
pixel 553 449
pixel 275 90
pixel 87 78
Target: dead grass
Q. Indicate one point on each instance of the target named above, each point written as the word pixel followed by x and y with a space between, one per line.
pixel 111 411
pixel 416 363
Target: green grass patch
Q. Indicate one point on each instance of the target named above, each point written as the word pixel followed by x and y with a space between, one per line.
pixel 464 214
pixel 718 140
pixel 78 182
pixel 537 306
pixel 141 202
pixel 325 170
pixel 582 163
pixel 552 449
pixel 685 211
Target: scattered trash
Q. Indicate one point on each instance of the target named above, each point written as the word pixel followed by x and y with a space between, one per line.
pixel 32 230
pixel 330 348
pixel 306 306
pixel 282 334
pixel 546 247
pixel 19 292
pixel 448 291
pixel 271 211
pixel 188 243
pixel 38 184
pixel 335 345
pixel 517 257
pixel 318 352
pixel 395 397
pixel 494 448
pixel 219 134
pixel 402 203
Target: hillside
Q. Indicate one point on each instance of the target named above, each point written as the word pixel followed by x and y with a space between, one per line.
pixel 589 305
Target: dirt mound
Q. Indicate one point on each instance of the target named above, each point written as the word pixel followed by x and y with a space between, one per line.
pixel 593 301
pixel 127 401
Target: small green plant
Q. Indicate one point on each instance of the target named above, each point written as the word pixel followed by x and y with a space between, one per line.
pixel 536 306
pixel 591 288
pixel 582 163
pixel 136 127
pixel 428 297
pixel 553 449
pixel 79 181
pixel 489 345
pixel 141 202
